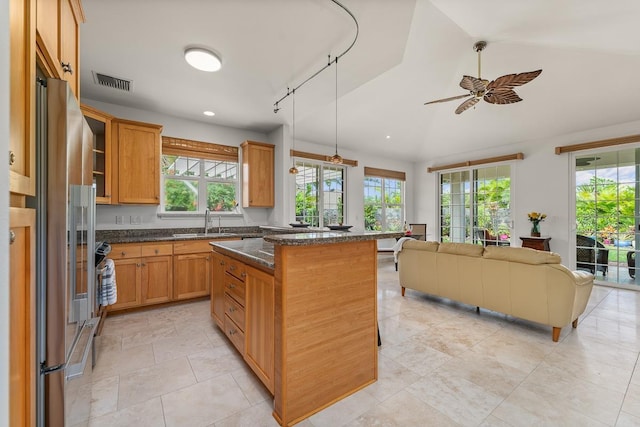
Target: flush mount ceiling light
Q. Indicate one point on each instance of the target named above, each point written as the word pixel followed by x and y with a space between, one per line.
pixel 202 59
pixel 209 113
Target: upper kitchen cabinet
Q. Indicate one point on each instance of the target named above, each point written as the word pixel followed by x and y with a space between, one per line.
pixel 22 97
pixel 257 175
pixel 58 39
pixel 135 162
pixel 100 124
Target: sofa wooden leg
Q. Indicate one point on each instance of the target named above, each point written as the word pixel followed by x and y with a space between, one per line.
pixel 556 334
pixel 477 309
pixel 403 289
pixel 574 323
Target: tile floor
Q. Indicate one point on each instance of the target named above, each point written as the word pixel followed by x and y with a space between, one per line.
pixel 441 364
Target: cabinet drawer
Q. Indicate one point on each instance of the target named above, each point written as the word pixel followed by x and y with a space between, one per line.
pixel 153 250
pixel 236 269
pixel 234 333
pixel 191 247
pixel 235 288
pixel 123 251
pixel 234 310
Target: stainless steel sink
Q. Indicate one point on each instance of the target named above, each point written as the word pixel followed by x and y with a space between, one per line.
pixel 198 235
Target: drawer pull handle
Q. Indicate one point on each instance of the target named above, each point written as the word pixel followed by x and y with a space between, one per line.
pixel 221 262
pixel 243 275
pixel 232 331
pixel 232 286
pixel 66 67
pixel 12 158
pixel 156 252
pixel 123 253
pixel 138 265
pixel 232 309
pixel 232 267
pixel 12 237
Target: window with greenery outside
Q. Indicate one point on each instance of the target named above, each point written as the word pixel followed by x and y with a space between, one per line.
pixel 383 204
pixel 193 184
pixel 319 194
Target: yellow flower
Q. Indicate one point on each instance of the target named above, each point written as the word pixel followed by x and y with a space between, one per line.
pixel 536 216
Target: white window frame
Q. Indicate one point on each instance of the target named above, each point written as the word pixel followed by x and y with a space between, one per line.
pixel 385 205
pixel 202 187
pixel 300 164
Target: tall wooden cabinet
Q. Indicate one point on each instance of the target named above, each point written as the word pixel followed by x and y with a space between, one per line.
pixel 100 124
pixel 136 162
pixel 22 74
pixel 257 175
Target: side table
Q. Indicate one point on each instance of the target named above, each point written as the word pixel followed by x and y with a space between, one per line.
pixel 540 243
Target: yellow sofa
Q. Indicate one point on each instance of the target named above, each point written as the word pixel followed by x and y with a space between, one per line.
pixel 520 282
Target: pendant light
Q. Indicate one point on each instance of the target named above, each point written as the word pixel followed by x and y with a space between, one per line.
pixel 293 170
pixel 336 159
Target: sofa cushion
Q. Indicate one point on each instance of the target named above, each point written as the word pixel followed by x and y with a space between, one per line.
pixel 466 249
pixel 421 245
pixel 521 255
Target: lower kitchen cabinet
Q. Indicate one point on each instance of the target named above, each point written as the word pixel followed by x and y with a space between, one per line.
pixel 259 324
pixel 218 263
pixel 144 274
pixel 192 275
pixel 243 305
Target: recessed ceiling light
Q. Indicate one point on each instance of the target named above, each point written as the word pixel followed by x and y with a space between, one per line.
pixel 209 113
pixel 388 136
pixel 202 59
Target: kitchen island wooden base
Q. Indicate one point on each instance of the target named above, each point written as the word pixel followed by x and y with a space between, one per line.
pixel 324 342
pixel 326 333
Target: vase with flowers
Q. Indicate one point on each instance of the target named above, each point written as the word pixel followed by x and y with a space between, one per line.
pixel 536 218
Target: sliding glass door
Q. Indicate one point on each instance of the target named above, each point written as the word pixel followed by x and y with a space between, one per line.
pixel 607 217
pixel 475 205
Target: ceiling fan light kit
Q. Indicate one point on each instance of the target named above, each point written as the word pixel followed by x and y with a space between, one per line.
pixel 498 91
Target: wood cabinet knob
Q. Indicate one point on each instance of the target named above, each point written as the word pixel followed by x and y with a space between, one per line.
pixel 156 251
pixel 243 275
pixel 232 286
pixel 12 157
pixel 12 237
pixel 232 309
pixel 138 265
pixel 232 267
pixel 123 253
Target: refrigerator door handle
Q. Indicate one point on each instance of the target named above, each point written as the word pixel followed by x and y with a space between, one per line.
pixel 46 370
pixel 76 369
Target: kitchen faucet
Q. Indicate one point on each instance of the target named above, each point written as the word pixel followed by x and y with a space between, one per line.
pixel 207 214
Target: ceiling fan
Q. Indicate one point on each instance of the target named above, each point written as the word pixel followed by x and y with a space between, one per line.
pixel 498 91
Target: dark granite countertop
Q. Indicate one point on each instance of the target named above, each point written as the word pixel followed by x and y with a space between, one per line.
pixel 168 234
pixel 304 239
pixel 255 251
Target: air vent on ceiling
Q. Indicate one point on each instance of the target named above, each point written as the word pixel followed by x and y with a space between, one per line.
pixel 113 82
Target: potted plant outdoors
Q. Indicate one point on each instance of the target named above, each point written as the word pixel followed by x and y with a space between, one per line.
pixel 536 218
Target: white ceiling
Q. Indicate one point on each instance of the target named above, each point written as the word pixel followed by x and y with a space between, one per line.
pixel 407 52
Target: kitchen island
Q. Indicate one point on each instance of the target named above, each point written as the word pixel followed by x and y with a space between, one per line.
pixel 301 309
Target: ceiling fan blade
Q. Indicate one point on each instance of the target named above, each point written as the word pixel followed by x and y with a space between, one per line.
pixel 509 81
pixel 502 96
pixel 447 99
pixel 473 84
pixel 467 104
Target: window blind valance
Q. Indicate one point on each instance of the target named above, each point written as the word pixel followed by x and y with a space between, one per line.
pixel 516 156
pixel 598 144
pixel 385 173
pixel 197 149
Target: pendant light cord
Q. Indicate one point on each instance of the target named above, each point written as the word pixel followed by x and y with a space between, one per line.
pixel 276 105
pixel 336 106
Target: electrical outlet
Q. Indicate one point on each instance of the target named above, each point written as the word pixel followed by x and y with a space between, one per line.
pixel 136 219
pixel 119 219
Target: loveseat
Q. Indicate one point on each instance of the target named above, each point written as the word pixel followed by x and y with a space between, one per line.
pixel 520 282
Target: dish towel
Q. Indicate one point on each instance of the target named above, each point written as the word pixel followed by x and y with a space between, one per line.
pixel 398 247
pixel 108 288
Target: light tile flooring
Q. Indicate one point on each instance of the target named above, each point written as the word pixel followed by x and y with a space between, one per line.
pixel 441 364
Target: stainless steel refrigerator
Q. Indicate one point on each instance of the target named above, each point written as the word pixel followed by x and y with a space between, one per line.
pixel 65 273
